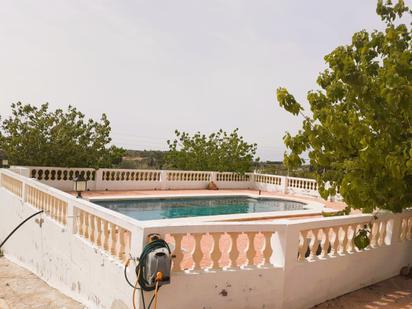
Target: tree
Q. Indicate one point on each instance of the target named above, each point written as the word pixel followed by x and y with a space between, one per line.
pixel 39 137
pixel 359 134
pixel 219 151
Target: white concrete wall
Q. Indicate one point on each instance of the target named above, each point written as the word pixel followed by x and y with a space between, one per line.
pixel 312 282
pixel 63 260
pixel 307 284
pixel 255 288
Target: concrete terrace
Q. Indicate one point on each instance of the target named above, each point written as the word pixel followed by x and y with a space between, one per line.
pixel 21 289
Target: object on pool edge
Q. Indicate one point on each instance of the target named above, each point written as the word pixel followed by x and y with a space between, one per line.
pixel 212 186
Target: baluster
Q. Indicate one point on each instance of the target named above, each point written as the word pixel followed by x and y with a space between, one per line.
pixel 303 245
pixel 325 242
pixel 382 233
pixel 81 222
pixel 47 200
pixel 28 194
pixel 409 229
pixel 113 243
pixel 178 253
pixel 92 228
pixel 267 251
pixel 402 233
pixel 215 253
pixel 234 252
pixel 43 201
pixel 32 194
pixel 38 196
pixel 197 254
pixel 40 203
pixel 314 244
pixel 127 240
pixel 344 239
pixel 374 235
pixel 64 205
pixel 49 208
pixel 99 231
pixel 86 225
pixel 251 250
pixel 59 211
pixel 335 244
pixel 106 235
pixel 53 210
pixel 122 249
pixel 350 238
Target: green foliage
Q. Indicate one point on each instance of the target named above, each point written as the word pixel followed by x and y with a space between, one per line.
pixel 219 151
pixel 359 135
pixel 36 136
pixel 344 212
pixel 361 239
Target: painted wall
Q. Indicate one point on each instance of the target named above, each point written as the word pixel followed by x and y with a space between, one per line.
pixel 63 260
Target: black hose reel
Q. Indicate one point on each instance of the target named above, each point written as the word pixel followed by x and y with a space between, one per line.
pixel 154 264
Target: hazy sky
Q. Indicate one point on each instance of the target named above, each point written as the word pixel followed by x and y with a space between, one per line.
pixel 155 66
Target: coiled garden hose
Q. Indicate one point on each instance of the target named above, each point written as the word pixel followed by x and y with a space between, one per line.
pixel 17 227
pixel 141 273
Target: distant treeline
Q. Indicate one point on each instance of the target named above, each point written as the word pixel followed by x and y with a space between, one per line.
pixel 156 159
pixel 144 159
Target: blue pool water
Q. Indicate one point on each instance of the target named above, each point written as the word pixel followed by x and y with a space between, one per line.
pixel 155 209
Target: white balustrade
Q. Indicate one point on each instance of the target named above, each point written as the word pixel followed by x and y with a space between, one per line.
pixel 268 179
pixel 54 207
pixel 129 175
pixel 232 177
pixel 302 183
pixel 406 228
pixel 103 234
pixel 193 176
pixel 12 184
pixel 223 246
pixel 131 179
pixel 61 174
pixel 336 239
pixel 103 228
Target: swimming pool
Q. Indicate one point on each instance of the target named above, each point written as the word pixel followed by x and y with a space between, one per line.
pixel 168 208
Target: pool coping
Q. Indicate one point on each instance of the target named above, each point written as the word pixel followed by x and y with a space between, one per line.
pixel 312 208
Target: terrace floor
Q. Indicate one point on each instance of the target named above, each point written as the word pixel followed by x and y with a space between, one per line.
pixel 389 294
pixel 19 289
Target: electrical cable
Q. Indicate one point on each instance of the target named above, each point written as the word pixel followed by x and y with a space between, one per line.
pixel 17 227
pixel 125 273
pixel 151 301
pixel 134 293
pixel 156 294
